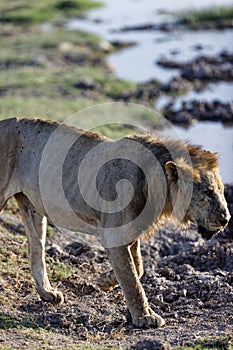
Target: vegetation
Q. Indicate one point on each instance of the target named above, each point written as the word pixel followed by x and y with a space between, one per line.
pixel 26 12
pixel 43 73
pixel 37 76
pixel 217 343
pixel 195 17
pixel 54 73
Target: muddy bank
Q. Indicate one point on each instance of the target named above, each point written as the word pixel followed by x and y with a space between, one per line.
pixel 187 280
pixel 204 68
pixel 196 75
pixel 177 26
pixel 199 111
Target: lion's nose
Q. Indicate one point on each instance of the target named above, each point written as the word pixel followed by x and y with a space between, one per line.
pixel 224 218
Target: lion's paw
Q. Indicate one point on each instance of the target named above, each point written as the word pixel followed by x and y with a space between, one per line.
pixel 54 297
pixel 149 320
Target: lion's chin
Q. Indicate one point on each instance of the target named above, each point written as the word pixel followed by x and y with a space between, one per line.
pixel 207 234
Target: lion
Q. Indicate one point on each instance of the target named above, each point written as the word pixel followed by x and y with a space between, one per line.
pixel 40 166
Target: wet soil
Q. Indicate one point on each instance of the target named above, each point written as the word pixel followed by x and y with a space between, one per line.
pixel 204 68
pixel 196 75
pixel 177 25
pixel 187 280
pixel 193 111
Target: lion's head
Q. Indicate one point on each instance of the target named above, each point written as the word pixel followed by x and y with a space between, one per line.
pixel 197 192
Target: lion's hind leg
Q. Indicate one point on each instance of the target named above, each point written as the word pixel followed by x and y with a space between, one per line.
pixel 35 228
pixel 108 280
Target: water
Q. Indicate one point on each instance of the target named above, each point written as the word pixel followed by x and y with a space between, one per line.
pixel 212 136
pixel 138 63
pixel 151 45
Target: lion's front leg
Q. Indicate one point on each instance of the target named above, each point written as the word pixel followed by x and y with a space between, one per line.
pixel 108 280
pixel 35 228
pixel 127 276
pixel 137 257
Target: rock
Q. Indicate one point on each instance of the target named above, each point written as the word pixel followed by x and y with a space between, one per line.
pixel 170 64
pixel 77 248
pixel 122 44
pixel 204 68
pixel 179 117
pixel 54 251
pixel 150 345
pixel 198 47
pixel 168 273
pixel 65 46
pixel 138 27
pixel 86 84
pixel 185 270
pixel 105 46
pixel 200 110
pixel 174 52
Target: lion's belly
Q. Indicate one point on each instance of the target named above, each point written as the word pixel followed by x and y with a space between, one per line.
pixel 60 213
pixel 76 226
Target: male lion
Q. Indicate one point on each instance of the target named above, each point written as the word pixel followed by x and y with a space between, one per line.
pixel 168 179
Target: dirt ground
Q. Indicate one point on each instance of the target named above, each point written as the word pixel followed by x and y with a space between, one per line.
pixel 187 280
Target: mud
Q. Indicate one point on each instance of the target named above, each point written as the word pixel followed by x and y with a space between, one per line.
pixel 187 280
pixel 199 111
pixel 177 25
pixel 204 68
pixel 196 75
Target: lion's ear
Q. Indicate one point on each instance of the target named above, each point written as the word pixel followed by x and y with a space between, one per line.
pixel 172 172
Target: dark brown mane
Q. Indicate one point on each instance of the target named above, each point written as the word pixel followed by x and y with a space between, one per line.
pixel 202 159
pixel 167 149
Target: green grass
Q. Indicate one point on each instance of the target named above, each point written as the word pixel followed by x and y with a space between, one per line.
pixel 13 253
pixel 47 40
pixel 31 336
pixel 37 80
pixel 39 72
pixel 58 270
pixel 116 119
pixel 8 322
pixel 215 343
pixel 32 12
pixel 195 17
pixel 41 337
pixel 39 107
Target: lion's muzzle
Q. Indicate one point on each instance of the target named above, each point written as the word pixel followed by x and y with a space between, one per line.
pixel 207 234
pixel 222 222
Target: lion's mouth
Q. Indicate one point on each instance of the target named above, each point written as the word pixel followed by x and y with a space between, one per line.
pixel 207 234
